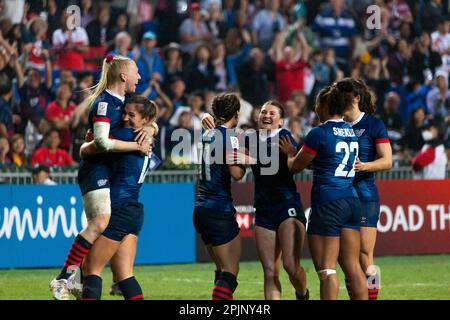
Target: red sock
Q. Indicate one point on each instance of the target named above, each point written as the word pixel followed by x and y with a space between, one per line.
pixel 373 293
pixel 80 247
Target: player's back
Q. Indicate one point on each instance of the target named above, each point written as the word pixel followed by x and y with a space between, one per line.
pixel 335 146
pixel 271 188
pixel 128 171
pixel 214 190
pixel 370 132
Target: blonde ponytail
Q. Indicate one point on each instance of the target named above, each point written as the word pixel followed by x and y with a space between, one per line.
pixel 111 70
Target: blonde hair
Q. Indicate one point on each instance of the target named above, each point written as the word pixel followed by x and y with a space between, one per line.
pixel 110 74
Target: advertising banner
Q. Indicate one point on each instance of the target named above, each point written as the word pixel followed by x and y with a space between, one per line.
pixel 38 224
pixel 414 217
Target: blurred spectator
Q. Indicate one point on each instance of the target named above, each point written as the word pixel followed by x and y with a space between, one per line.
pixel 431 161
pixel 266 24
pixel 438 99
pixel 413 141
pixel 425 60
pixel 193 31
pixel 87 14
pixel 35 95
pixel 148 61
pixel 431 14
pixel 253 78
pixel 290 64
pixel 400 63
pixel 220 66
pixel 336 29
pixel 49 153
pixel 321 70
pixel 99 30
pixel 178 93
pixel 122 46
pixel 236 59
pixel 295 127
pixel 33 50
pixel 173 62
pixel 399 12
pixel 70 45
pixel 41 175
pixel 4 150
pixel 199 73
pixel 390 114
pixel 214 21
pixel 17 153
pixel 121 24
pixel 59 114
pixel 195 107
pixel 54 12
pixel 6 111
pixel 440 42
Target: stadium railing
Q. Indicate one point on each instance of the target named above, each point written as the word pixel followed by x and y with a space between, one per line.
pixel 68 175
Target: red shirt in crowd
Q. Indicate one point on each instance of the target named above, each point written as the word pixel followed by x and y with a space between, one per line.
pixel 70 58
pixel 290 78
pixel 46 157
pixel 56 112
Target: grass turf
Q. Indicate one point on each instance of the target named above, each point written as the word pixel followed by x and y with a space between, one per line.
pixel 406 278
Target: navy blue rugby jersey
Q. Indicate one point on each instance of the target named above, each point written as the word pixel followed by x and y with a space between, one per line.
pixel 214 190
pixel 335 147
pixel 370 132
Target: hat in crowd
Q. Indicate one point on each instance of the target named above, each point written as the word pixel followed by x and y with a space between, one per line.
pixel 441 73
pixel 172 46
pixel 194 6
pixel 40 167
pixel 149 35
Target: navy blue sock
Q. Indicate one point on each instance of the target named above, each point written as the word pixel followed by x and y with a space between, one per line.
pixel 131 289
pixel 92 288
pixel 216 275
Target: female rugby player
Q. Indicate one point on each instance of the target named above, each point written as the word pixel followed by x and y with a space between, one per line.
pixel 119 239
pixel 279 218
pixel 334 223
pixel 119 76
pixel 375 154
pixel 214 213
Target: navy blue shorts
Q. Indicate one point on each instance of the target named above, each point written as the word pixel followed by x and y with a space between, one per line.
pixel 125 220
pixel 370 214
pixel 215 227
pixel 93 176
pixel 329 219
pixel 270 217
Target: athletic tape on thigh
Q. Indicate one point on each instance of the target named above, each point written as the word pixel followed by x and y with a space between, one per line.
pixel 325 273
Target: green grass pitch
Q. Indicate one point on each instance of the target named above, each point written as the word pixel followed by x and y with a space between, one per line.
pixel 406 278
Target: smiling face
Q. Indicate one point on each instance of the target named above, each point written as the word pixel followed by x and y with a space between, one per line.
pixel 132 118
pixel 131 77
pixel 270 117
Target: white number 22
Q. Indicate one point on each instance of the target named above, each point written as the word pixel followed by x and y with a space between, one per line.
pixel 344 146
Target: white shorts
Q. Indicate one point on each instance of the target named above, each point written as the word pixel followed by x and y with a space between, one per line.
pixel 97 202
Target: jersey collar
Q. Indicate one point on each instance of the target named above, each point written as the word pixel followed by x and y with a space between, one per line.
pixel 357 120
pixel 116 95
pixel 334 120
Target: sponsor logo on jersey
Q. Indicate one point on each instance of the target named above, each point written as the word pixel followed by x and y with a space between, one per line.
pixel 102 182
pixel 234 142
pixel 359 132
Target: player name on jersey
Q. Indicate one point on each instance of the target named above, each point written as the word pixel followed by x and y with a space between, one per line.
pixel 343 132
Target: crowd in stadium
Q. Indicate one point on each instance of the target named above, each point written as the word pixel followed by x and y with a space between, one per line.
pixel 189 51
